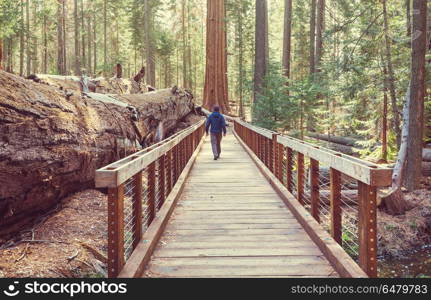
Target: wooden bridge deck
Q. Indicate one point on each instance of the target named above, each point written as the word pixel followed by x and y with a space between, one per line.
pixel 229 222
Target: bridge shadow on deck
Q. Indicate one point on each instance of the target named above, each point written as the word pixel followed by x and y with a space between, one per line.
pixel 229 222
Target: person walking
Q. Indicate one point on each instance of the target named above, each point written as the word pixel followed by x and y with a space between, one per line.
pixel 217 123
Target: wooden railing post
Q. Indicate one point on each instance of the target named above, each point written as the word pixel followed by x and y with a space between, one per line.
pixel 137 209
pixel 368 228
pixel 151 193
pixel 255 150
pixel 161 180
pixel 280 163
pixel 267 149
pixel 274 155
pixel 115 230
pixel 300 179
pixel 189 147
pixel 169 172
pixel 174 165
pixel 315 193
pixel 258 146
pixel 336 217
pixel 289 171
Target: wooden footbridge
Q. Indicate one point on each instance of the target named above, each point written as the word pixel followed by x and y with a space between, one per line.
pixel 272 206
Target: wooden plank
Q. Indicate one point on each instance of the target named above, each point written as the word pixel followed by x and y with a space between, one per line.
pixel 222 200
pixel 241 220
pixel 163 268
pixel 368 229
pixel 219 191
pixel 339 259
pixel 135 266
pixel 236 252
pixel 242 261
pixel 191 183
pixel 335 199
pixel 231 207
pixel 227 226
pixel 299 236
pixel 236 245
pixel 276 213
pixel 225 232
pixel 240 216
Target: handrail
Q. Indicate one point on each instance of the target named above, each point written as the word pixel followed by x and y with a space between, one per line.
pixel 117 173
pixel 341 196
pixel 366 172
pixel 138 187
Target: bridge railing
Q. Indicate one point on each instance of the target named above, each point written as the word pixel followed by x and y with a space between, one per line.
pixel 339 191
pixel 138 186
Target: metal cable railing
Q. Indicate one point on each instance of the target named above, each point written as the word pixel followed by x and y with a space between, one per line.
pixel 138 187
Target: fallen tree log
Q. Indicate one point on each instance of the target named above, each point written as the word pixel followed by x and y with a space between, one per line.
pixel 114 85
pixel 346 141
pixel 348 150
pixel 52 143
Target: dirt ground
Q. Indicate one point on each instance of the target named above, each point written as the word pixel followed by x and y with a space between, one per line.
pixel 69 242
pixel 400 234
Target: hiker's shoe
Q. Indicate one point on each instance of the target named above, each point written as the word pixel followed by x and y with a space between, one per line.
pixel 215 158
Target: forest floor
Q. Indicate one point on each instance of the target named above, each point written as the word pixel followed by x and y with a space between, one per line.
pixel 400 234
pixel 68 242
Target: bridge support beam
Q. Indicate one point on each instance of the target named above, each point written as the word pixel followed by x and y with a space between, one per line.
pixel 115 230
pixel 368 229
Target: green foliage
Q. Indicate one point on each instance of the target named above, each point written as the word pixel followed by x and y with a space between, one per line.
pixel 273 108
pixel 350 243
pixel 9 17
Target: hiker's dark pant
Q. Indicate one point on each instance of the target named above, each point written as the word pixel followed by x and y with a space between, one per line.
pixel 216 143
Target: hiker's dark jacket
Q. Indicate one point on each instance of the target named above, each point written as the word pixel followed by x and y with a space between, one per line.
pixel 216 122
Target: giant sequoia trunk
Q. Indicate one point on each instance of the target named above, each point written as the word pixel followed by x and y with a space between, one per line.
pixel 52 143
pixel 262 47
pixel 216 83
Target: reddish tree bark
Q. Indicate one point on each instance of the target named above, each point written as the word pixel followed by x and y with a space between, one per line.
pixel 216 84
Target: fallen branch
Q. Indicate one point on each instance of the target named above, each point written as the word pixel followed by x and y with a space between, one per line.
pixel 70 258
pixel 95 252
pixel 44 241
pixel 24 253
